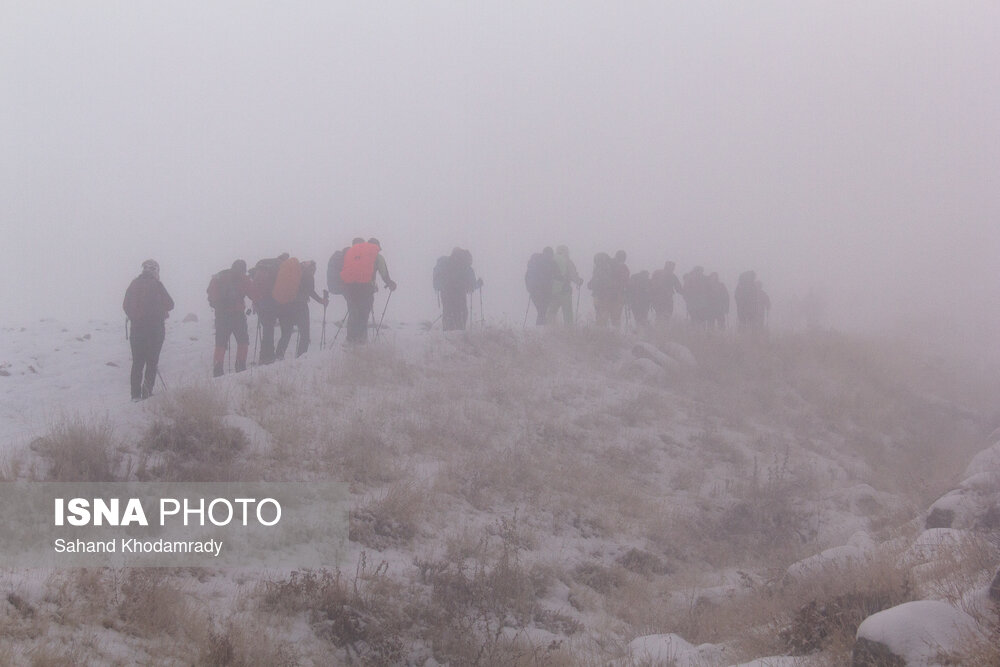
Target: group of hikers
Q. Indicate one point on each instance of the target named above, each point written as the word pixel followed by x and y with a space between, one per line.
pixel 281 287
pixel 616 291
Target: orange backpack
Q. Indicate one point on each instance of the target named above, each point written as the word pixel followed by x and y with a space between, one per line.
pixel 359 263
pixel 286 284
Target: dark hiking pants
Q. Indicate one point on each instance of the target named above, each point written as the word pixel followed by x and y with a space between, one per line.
pixel 360 299
pixel 294 315
pixel 454 310
pixel 267 317
pixel 146 342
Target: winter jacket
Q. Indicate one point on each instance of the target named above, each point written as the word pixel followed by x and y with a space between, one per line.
pixel 147 301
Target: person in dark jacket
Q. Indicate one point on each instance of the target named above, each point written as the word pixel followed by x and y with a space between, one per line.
pixel 147 305
pixel 226 294
pixel 542 270
pixel 639 297
pixel 457 280
pixel 664 283
pixel 295 315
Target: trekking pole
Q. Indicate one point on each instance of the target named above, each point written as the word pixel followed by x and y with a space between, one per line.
pixel 126 328
pixel 526 309
pixel 379 327
pixel 256 339
pixel 343 323
pixel 162 383
pixel 322 338
pixel 435 321
pixel 482 313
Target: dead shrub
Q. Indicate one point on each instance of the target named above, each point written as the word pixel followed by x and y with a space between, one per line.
pixel 78 451
pixel 152 603
pixel 191 443
pixel 243 645
pixel 366 616
pixel 643 563
pixel 601 578
pixel 389 521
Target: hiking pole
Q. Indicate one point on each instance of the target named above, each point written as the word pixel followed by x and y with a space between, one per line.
pixel 322 338
pixel 379 327
pixel 160 375
pixel 256 339
pixel 482 313
pixel 126 328
pixel 343 323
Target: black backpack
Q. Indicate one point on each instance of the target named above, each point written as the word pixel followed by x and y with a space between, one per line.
pixel 333 269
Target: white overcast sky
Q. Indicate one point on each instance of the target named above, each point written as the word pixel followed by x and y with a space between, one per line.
pixel 851 146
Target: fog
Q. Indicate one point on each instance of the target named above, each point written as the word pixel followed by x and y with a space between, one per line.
pixel 850 147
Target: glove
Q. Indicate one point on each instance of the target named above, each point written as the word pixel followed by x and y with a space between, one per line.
pixel 391 285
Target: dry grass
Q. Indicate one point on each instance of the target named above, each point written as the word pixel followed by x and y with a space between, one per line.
pixel 79 451
pixel 190 443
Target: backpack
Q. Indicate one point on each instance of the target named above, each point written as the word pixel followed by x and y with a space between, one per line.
pixel 359 264
pixel 223 290
pixel 265 273
pixel 440 273
pixel 286 283
pixel 538 275
pixel 333 269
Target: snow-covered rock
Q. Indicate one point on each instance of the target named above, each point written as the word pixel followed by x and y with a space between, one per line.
pixel 671 649
pixel 843 556
pixel 912 634
pixel 647 351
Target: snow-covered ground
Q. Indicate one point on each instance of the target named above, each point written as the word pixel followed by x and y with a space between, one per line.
pixel 527 497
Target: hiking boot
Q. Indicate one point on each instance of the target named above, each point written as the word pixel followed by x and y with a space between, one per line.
pixel 217 370
pixel 241 366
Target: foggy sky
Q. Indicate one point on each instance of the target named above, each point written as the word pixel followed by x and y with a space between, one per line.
pixel 848 146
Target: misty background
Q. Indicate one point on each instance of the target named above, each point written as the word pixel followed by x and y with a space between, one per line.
pixel 849 147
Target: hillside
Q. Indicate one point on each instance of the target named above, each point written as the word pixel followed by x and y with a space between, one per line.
pixel 570 496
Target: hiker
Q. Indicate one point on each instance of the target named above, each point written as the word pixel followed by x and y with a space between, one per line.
pixel 601 286
pixel 363 261
pixel 147 306
pixel 226 292
pixel 747 300
pixel 562 287
pixel 719 301
pixel 639 297
pixel 264 274
pixel 295 313
pixel 619 285
pixel 454 279
pixel 697 295
pixel 664 283
pixel 542 270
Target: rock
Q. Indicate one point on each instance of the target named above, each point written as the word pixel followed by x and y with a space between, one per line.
pixel 111 363
pixel 190 317
pixel 913 633
pixel 940 518
pixel 647 351
pixel 671 649
pixel 680 354
pixel 995 588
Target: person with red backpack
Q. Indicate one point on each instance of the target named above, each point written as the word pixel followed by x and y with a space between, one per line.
pixel 295 315
pixel 226 293
pixel 362 262
pixel 264 274
pixel 147 305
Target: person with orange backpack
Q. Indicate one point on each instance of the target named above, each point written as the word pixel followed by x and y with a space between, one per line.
pixel 147 305
pixel 362 263
pixel 295 314
pixel 226 293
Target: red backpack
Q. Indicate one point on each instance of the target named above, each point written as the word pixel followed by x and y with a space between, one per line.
pixel 359 264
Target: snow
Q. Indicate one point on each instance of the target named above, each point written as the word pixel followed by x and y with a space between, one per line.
pixel 674 650
pixel 918 631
